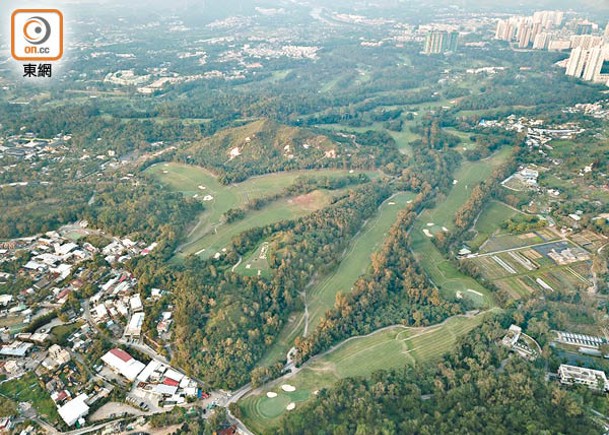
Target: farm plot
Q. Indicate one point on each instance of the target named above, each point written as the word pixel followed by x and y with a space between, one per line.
pixel 548 267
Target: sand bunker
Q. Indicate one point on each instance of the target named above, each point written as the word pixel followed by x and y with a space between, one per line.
pixel 288 388
pixel 271 395
pixel 291 406
pixel 445 229
pixel 430 224
pixel 428 233
pixel 459 295
pixel 474 292
pixel 455 182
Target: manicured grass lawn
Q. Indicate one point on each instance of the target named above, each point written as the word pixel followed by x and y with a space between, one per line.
pixel 494 214
pixel 256 263
pixel 356 262
pixel 194 180
pixel 389 349
pixel 27 389
pixel 278 211
pixel 439 269
pixel 404 138
pixel 285 341
pixel 466 142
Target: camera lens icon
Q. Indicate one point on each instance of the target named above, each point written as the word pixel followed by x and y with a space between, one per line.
pixel 36 30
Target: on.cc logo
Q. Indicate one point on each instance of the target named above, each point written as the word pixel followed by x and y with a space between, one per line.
pixel 37 35
pixel 37 30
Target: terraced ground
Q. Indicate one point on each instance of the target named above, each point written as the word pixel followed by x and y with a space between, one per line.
pixel 390 348
pixel 355 262
pixel 209 235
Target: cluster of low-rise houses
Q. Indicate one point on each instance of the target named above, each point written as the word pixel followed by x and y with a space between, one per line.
pixel 27 145
pixel 168 386
pixel 598 110
pixel 55 265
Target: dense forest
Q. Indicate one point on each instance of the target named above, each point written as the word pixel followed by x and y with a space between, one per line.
pixel 225 321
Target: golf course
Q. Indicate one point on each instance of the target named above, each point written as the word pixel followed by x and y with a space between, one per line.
pixel 388 348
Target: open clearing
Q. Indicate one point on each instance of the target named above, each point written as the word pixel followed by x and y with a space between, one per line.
pixel 493 215
pixel 28 389
pixel 390 348
pixel 356 261
pixel 196 181
pixel 440 270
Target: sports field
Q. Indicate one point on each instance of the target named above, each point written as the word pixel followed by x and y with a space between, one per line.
pixel 391 348
pixel 284 209
pixel 451 282
pixel 197 182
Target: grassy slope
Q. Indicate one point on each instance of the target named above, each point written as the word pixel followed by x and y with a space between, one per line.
pixel 493 215
pixel 277 211
pixel 387 349
pixel 187 179
pixel 443 273
pixel 357 260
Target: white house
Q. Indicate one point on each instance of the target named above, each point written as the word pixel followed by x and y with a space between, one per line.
pixel 74 410
pixel 593 379
pixel 122 363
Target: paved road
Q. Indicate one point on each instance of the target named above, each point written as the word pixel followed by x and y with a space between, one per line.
pixel 488 254
pixel 233 398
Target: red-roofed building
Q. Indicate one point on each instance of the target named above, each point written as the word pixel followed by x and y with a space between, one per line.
pixel 120 353
pixel 171 382
pixel 123 363
pixel 228 431
pixel 63 294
